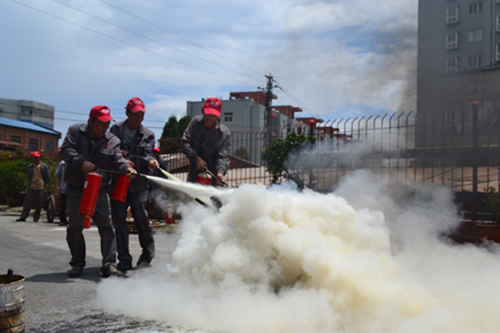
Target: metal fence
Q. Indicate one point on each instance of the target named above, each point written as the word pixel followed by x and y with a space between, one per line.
pixel 458 149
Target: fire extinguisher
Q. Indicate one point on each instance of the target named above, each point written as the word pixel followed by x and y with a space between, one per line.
pixel 204 179
pixel 170 213
pixel 89 197
pixel 121 186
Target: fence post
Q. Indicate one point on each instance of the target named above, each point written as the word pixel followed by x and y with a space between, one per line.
pixel 475 107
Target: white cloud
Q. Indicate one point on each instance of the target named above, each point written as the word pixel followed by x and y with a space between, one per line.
pixel 322 17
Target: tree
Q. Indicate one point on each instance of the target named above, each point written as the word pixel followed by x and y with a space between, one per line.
pixel 283 157
pixel 172 133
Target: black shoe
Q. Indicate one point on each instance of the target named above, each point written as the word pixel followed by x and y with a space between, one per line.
pixel 143 262
pixel 35 220
pixel 75 271
pixel 124 267
pixel 20 220
pixel 63 224
pixel 111 270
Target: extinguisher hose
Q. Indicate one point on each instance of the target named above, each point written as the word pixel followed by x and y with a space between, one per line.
pixel 215 201
pixel 213 176
pixel 117 172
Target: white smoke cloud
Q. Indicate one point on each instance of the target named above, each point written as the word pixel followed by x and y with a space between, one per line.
pixel 368 258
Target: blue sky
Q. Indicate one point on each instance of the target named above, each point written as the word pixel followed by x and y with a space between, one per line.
pixel 332 58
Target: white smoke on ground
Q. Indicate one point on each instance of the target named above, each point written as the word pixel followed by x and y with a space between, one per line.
pixel 368 258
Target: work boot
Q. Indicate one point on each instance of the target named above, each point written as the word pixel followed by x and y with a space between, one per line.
pixel 75 271
pixel 111 270
pixel 124 267
pixel 143 262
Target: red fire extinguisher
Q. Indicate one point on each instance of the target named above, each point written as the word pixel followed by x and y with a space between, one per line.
pixel 121 186
pixel 170 213
pixel 89 197
pixel 204 179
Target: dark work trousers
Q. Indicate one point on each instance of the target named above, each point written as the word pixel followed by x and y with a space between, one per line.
pixel 101 218
pixel 63 205
pixel 138 202
pixel 32 197
pixel 159 201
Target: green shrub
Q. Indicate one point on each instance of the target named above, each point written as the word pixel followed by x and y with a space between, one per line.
pixel 283 159
pixel 13 176
pixel 492 198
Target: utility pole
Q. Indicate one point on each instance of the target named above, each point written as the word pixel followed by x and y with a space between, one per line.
pixel 268 123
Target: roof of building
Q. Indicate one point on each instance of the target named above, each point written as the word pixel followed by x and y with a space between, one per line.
pixel 27 126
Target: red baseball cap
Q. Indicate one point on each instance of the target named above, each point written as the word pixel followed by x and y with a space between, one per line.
pixel 157 149
pixel 213 106
pixel 101 112
pixel 36 154
pixel 135 104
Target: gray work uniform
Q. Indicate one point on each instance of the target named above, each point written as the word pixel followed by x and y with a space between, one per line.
pixel 35 196
pixel 105 154
pixel 142 145
pixel 213 147
pixel 157 193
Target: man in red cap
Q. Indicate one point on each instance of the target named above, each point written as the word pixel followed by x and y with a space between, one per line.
pixel 206 142
pixel 88 147
pixel 137 144
pixel 38 181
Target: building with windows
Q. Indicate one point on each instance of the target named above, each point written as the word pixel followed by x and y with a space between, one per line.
pixel 28 111
pixel 28 125
pixel 245 111
pixel 27 136
pixel 244 114
pixel 458 63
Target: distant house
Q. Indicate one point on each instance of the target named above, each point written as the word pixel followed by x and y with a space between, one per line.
pixel 27 136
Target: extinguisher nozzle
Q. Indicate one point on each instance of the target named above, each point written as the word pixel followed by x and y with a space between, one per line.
pixel 86 222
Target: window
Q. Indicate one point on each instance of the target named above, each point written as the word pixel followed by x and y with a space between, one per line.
pixel 474 61
pixel 228 117
pixel 452 15
pixel 49 146
pixel 452 41
pixel 498 23
pixel 475 35
pixel 475 8
pixel 452 65
pixel 15 138
pixel 33 144
pixel 497 52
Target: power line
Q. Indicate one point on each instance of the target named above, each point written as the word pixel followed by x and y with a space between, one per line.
pixel 85 115
pixel 130 44
pixel 180 37
pixel 151 39
pixel 296 100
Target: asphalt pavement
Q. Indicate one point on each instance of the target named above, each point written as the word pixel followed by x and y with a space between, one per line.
pixel 55 302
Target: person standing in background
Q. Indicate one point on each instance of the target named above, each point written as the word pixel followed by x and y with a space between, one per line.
pixel 137 144
pixel 38 181
pixel 60 189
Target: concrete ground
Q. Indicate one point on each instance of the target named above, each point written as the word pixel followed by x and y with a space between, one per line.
pixel 54 302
